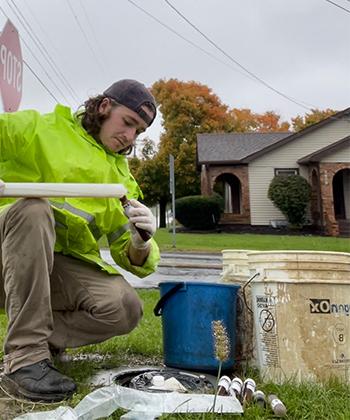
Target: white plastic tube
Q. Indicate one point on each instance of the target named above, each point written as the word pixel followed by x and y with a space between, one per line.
pixel 31 189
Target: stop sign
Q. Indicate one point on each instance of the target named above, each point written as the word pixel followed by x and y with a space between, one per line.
pixel 11 66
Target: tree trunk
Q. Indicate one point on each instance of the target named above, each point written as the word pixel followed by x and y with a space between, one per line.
pixel 162 210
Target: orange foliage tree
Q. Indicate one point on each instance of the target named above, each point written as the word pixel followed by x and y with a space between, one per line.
pixel 245 120
pixel 313 117
pixel 188 108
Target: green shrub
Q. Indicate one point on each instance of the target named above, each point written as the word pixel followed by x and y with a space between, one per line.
pixel 291 195
pixel 199 212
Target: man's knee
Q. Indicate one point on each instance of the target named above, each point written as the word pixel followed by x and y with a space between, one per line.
pixel 33 210
pixel 133 309
pixel 121 314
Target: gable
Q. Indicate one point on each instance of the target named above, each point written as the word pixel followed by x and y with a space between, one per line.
pixel 325 127
pixel 342 145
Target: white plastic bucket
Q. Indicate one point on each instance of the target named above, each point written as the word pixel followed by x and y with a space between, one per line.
pixel 234 263
pixel 301 306
pixel 236 271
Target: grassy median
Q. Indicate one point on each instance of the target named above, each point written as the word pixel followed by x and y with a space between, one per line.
pixel 215 242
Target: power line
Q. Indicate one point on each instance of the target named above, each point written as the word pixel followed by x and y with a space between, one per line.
pixel 85 36
pixel 49 58
pixel 188 40
pixel 49 77
pixel 235 61
pixel 46 35
pixel 44 70
pixel 40 81
pixel 22 19
pixel 338 5
pixel 91 26
pixel 41 27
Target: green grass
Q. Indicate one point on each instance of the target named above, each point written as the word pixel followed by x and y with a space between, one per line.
pixel 330 401
pixel 215 242
pixel 144 345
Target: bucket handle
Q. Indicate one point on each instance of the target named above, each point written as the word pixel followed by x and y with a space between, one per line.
pixel 158 309
pixel 244 287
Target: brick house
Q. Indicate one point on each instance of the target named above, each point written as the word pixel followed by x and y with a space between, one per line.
pixel 240 166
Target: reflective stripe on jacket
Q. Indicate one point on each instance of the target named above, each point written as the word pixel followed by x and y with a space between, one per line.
pixel 55 148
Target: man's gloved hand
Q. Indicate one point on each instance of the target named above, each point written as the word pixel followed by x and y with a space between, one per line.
pixel 140 216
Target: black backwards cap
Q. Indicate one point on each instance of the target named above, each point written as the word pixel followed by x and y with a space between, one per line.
pixel 133 95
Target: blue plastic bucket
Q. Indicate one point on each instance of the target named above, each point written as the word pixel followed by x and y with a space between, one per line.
pixel 188 309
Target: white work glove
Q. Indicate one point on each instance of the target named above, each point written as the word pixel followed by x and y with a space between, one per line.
pixel 140 217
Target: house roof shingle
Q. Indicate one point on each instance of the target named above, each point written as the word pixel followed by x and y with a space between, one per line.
pixel 233 147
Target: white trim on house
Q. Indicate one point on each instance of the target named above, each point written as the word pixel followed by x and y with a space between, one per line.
pixel 337 156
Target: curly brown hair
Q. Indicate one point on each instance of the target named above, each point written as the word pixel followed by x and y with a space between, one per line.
pixel 92 119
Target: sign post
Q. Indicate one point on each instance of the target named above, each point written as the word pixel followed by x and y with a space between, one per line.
pixel 11 68
pixel 172 192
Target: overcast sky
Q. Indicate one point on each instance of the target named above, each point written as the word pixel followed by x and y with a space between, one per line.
pixel 300 48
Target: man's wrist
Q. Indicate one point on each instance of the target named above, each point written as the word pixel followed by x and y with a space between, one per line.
pixel 138 255
pixel 141 246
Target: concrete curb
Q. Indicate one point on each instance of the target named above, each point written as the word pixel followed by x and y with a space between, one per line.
pixel 190 265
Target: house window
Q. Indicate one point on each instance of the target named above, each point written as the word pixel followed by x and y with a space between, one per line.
pixel 286 171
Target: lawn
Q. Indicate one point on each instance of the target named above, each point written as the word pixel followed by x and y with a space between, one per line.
pixel 144 345
pixel 215 242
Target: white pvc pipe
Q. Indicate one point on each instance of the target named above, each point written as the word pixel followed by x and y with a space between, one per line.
pixel 32 189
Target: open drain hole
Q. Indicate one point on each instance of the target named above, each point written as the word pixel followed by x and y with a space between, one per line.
pixel 144 380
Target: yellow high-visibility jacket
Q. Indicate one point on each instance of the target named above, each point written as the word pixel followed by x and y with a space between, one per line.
pixel 55 147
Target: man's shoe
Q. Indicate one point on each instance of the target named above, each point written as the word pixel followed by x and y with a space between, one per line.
pixel 40 381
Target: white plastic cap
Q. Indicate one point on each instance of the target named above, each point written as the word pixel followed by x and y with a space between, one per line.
pixel 250 384
pixel 158 380
pixel 237 380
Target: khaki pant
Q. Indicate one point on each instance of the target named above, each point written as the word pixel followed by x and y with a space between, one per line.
pixel 52 299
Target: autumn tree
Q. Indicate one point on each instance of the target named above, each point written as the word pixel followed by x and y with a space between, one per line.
pixel 313 117
pixel 152 175
pixel 148 148
pixel 245 120
pixel 188 108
